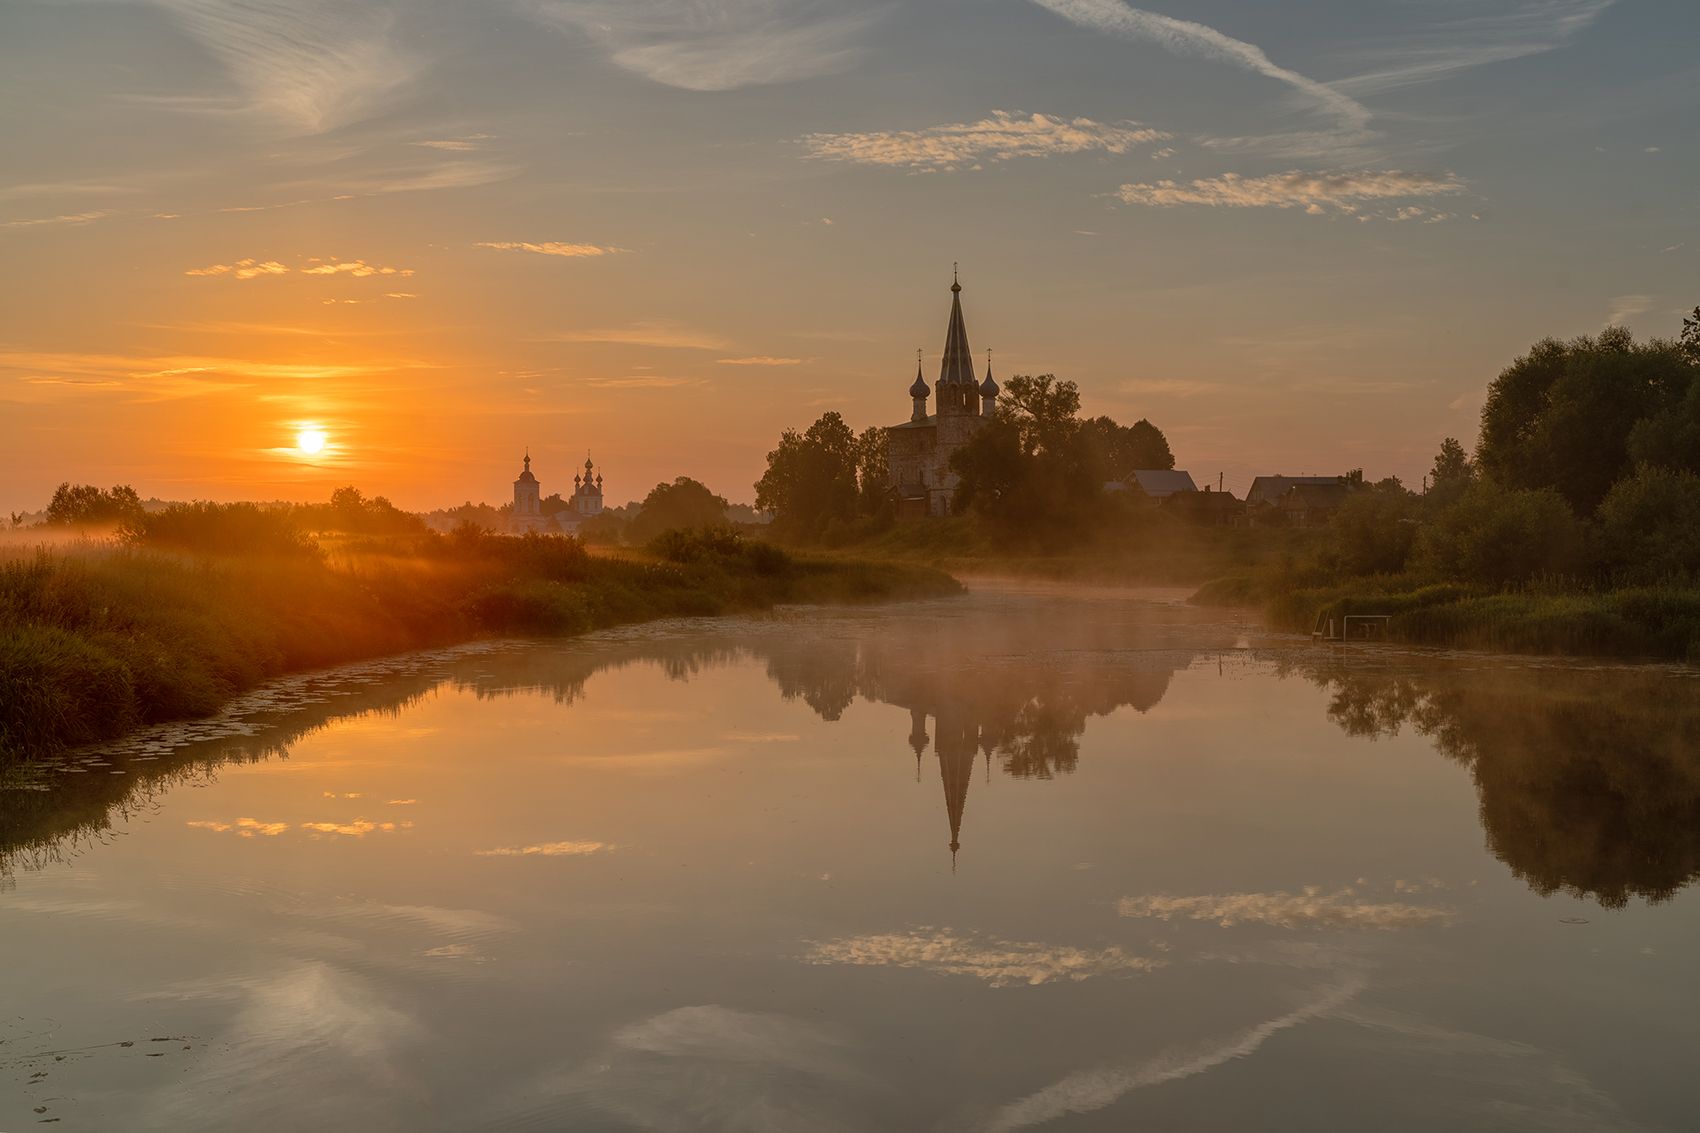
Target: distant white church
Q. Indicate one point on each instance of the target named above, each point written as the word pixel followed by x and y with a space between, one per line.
pixel 527 516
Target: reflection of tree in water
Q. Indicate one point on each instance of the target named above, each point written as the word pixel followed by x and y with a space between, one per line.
pixel 1017 688
pixel 1589 780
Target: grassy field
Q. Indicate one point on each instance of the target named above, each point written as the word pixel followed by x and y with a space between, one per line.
pixel 98 637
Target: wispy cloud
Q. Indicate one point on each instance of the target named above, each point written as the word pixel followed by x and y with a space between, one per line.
pixel 667 335
pixel 759 360
pixel 310 65
pixel 1186 38
pixel 1090 1090
pixel 1310 908
pixel 242 269
pixel 167 377
pixel 547 850
pixel 462 144
pixel 716 46
pixel 1476 35
pixel 256 269
pixel 357 268
pixel 551 248
pixel 447 175
pixel 643 381
pixel 1626 307
pixel 1316 193
pixel 995 962
pixel 1001 137
pixel 64 218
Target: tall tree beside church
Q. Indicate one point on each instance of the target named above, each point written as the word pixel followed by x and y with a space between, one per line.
pixel 811 478
pixel 1029 469
pixel 873 466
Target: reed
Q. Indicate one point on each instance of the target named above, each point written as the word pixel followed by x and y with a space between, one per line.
pixel 99 637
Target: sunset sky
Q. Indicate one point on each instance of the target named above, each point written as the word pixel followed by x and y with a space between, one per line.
pixel 1299 237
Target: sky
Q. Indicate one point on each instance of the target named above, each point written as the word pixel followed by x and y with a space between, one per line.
pixel 1297 237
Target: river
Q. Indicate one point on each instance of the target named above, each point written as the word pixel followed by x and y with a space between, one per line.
pixel 1033 858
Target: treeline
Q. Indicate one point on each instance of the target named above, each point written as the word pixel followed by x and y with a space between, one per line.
pixel 1574 526
pixel 1035 473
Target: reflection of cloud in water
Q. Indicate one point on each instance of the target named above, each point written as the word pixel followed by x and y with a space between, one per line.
pixel 313 1042
pixel 246 827
pixel 711 1067
pixel 998 963
pixel 1492 1082
pixel 1310 908
pixel 1089 1090
pixel 547 850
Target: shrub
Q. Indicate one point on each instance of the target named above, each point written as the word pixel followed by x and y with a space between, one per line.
pixel 1650 526
pixel 1497 536
pixel 221 529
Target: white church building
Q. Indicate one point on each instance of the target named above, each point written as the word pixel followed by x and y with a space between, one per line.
pixel 527 515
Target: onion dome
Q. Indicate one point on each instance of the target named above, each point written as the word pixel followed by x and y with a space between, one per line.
pixel 920 388
pixel 989 388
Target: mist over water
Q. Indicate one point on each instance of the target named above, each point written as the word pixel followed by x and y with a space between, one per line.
pixel 1040 856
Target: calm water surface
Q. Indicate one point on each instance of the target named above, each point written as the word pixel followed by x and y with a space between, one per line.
pixel 1036 858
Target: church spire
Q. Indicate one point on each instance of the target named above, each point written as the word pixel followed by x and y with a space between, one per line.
pixel 958 365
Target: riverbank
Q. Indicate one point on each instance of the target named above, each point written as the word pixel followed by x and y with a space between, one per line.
pixel 97 637
pixel 1640 622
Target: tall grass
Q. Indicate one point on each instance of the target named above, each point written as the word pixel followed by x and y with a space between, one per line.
pixel 97 638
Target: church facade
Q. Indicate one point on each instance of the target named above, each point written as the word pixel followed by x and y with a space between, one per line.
pixel 528 515
pixel 919 450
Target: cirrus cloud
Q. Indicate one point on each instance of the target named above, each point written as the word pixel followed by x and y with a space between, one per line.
pixel 1001 137
pixel 551 248
pixel 1316 193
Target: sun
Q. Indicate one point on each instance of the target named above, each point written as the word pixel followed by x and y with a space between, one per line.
pixel 310 441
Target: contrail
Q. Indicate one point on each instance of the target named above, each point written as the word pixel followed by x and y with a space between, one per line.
pixel 1184 37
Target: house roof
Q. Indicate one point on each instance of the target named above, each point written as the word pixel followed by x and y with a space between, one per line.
pixel 1270 489
pixel 1159 483
pixel 1315 495
pixel 930 421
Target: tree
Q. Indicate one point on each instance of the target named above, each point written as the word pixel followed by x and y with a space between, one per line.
pixel 811 478
pixel 1494 535
pixel 1125 449
pixel 685 504
pixel 1029 469
pixel 1671 438
pixel 1561 416
pixel 1650 526
pixel 1373 531
pixel 84 505
pixel 1451 464
pixel 1691 335
pixel 873 470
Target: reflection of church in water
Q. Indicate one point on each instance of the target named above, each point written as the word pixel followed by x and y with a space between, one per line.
pixel 528 514
pixel 1017 692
